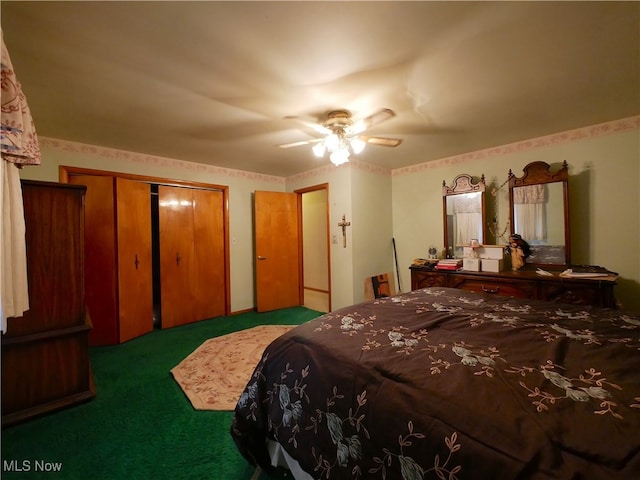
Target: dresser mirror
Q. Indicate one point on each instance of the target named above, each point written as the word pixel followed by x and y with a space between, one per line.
pixel 463 209
pixel 539 212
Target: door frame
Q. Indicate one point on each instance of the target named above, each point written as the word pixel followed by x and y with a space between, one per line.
pixel 64 171
pixel 299 192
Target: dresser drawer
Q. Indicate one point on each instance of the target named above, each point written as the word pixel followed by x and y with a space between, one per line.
pixel 494 286
pixel 427 279
pixel 595 294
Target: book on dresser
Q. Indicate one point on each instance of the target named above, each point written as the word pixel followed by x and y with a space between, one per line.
pixel 449 264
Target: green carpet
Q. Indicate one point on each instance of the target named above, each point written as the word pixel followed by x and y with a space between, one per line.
pixel 140 426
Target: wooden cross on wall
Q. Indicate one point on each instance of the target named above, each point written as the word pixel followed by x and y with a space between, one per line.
pixel 344 224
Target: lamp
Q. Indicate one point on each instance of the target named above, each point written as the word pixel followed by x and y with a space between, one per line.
pixel 339 147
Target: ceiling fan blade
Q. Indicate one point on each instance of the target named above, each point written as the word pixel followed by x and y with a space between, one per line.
pixel 373 119
pixel 299 144
pixel 322 130
pixel 318 128
pixel 385 142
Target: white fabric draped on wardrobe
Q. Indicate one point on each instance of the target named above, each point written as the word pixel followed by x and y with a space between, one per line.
pixel 18 147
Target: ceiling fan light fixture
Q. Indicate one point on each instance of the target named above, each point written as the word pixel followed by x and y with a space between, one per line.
pixel 332 142
pixel 339 156
pixel 341 135
pixel 357 145
pixel 319 149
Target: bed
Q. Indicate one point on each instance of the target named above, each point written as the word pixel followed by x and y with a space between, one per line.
pixel 448 384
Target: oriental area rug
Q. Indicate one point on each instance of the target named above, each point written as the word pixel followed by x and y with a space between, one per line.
pixel 215 374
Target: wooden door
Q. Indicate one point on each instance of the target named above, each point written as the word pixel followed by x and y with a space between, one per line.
pixel 209 269
pixel 100 257
pixel 177 267
pixel 135 293
pixel 117 231
pixel 192 255
pixel 277 250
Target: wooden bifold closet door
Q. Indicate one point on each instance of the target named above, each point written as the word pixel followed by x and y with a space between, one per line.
pixel 118 257
pixel 192 257
pixel 135 269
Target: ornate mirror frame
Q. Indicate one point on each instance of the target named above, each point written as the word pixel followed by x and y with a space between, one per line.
pixel 462 185
pixel 554 201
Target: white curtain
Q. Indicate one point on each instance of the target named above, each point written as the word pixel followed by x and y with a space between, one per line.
pixel 13 264
pixel 467 209
pixel 18 147
pixel 468 227
pixel 529 212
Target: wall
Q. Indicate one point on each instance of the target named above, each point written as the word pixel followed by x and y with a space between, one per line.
pixel 339 180
pixel 362 193
pixel 347 270
pixel 372 225
pixel 604 169
pixel 241 187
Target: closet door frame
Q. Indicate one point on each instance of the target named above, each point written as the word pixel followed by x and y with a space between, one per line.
pixel 64 171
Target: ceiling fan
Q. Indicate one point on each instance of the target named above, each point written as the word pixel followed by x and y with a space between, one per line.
pixel 342 135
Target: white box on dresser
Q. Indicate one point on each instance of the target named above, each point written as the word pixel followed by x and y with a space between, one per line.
pixel 494 252
pixel 492 265
pixel 471 264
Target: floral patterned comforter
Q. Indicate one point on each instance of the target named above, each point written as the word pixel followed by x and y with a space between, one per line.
pixel 447 384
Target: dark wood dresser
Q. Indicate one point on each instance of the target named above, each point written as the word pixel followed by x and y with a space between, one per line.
pixel 526 283
pixel 45 353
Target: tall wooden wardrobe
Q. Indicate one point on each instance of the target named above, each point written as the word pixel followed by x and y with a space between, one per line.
pixel 155 256
pixel 45 353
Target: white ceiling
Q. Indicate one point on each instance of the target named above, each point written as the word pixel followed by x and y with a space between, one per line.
pixel 214 82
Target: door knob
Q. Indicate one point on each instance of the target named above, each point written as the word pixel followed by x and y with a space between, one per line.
pixel 260 257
